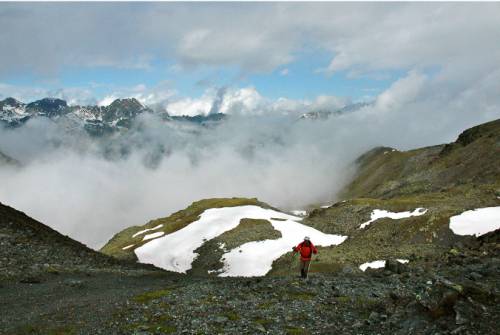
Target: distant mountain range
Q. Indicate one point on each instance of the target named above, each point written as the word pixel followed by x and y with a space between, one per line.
pixel 96 120
pixel 325 114
pixel 119 115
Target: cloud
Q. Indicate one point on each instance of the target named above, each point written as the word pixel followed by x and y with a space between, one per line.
pixel 150 96
pixel 73 95
pixel 248 101
pixel 361 38
pixel 91 189
pixel 401 92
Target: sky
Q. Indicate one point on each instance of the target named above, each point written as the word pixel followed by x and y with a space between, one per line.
pixel 430 71
pixel 185 53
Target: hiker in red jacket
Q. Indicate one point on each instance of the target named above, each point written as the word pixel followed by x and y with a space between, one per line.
pixel 306 249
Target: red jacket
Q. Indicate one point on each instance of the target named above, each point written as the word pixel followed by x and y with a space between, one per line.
pixel 305 250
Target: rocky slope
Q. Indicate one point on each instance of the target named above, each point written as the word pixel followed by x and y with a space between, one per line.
pixel 458 295
pixel 473 159
pixel 30 251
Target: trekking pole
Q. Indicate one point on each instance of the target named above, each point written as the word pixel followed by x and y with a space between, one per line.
pixel 308 266
pixel 293 258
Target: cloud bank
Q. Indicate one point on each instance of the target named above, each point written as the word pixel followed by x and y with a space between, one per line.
pixel 90 189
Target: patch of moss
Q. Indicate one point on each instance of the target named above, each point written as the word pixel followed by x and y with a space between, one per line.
pixel 44 329
pixel 301 295
pixel 263 322
pixel 265 305
pixel 152 295
pixel 231 315
pixel 343 299
pixel 296 331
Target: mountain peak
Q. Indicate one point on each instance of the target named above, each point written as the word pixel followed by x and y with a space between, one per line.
pixel 126 102
pixel 10 102
pixel 47 106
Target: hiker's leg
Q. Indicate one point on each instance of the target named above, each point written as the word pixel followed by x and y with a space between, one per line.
pixel 302 269
pixel 306 268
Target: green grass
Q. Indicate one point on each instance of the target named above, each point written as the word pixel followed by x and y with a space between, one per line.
pixel 263 322
pixel 43 329
pixel 152 295
pixel 296 331
pixel 296 295
pixel 231 315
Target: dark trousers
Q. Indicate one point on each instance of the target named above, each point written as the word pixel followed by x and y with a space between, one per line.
pixel 304 268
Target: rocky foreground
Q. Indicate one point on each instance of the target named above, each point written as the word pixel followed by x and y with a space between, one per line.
pixel 458 295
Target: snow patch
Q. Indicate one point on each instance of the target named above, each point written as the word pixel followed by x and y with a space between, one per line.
pixel 153 235
pixel 128 247
pixel 299 212
pixel 214 222
pixel 378 264
pixel 256 258
pixel 145 230
pixel 476 222
pixel 379 214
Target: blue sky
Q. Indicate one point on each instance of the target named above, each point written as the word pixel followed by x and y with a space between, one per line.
pixel 302 78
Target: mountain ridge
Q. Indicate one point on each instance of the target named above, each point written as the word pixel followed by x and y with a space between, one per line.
pixel 96 120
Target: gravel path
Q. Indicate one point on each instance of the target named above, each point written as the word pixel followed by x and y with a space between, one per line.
pixel 64 302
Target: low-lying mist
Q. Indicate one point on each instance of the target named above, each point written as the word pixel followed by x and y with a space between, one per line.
pixel 92 188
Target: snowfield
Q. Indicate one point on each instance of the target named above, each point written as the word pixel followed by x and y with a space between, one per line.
pixel 255 258
pixel 378 264
pixel 476 222
pixel 379 214
pixel 153 235
pixel 145 230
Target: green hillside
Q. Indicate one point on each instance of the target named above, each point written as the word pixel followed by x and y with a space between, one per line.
pixel 445 179
pixel 170 224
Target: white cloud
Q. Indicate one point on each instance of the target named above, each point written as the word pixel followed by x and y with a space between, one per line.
pixel 107 100
pixel 285 72
pixel 248 101
pixel 149 96
pixel 401 92
pixel 73 95
pixel 190 107
pixel 361 37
